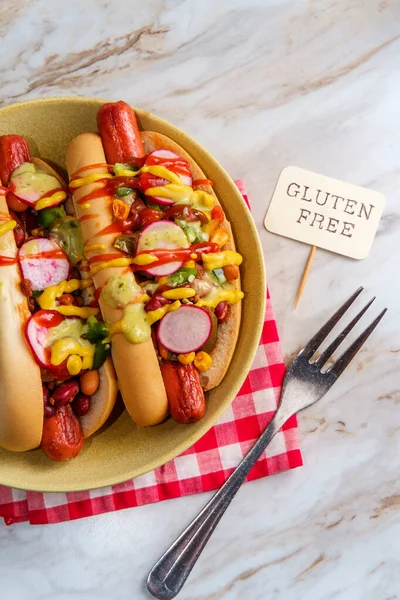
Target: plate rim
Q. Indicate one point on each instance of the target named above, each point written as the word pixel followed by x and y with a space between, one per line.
pixel 246 364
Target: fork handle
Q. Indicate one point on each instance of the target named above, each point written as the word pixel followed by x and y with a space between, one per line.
pixel 169 574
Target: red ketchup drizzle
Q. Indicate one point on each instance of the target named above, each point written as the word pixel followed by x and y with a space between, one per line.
pixel 6 261
pixel 48 318
pixel 104 257
pixel 94 166
pixel 89 216
pixel 177 165
pixel 50 254
pixel 181 254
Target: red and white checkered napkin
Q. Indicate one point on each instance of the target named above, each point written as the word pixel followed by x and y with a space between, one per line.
pixel 203 467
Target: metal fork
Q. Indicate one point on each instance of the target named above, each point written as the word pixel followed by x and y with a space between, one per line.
pixel 304 384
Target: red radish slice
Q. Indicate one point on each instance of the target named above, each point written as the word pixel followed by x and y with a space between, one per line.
pixel 43 262
pixel 30 185
pixel 162 234
pixel 185 330
pixel 37 333
pixel 147 180
pixel 43 329
pixel 168 155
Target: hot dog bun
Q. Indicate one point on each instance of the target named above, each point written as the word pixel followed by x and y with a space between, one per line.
pixel 229 330
pixel 21 396
pixel 136 365
pixel 103 400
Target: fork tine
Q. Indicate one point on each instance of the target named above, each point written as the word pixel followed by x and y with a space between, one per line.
pixel 336 342
pixel 339 366
pixel 319 337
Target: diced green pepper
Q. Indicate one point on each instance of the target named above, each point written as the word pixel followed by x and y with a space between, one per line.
pixel 123 191
pixel 66 231
pixel 126 243
pixel 182 276
pixel 193 230
pixel 47 215
pixel 118 167
pixel 96 330
pixel 101 352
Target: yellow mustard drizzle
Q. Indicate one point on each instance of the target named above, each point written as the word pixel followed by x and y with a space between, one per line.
pixel 91 247
pixel 179 293
pixel 156 315
pixel 217 260
pixel 181 192
pixel 175 190
pixel 214 298
pixel 142 259
pixel 67 347
pixel 47 300
pixel 74 364
pixel 87 179
pixel 57 197
pixel 6 227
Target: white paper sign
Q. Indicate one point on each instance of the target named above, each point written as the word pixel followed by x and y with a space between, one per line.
pixel 325 212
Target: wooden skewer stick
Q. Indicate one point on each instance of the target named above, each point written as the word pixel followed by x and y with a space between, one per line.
pixel 305 275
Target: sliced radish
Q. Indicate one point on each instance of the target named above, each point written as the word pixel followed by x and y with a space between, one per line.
pixel 163 157
pixel 162 234
pixel 168 155
pixel 43 262
pixel 185 330
pixel 43 329
pixel 37 333
pixel 29 184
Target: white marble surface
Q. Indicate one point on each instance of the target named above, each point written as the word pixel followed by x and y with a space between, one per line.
pixel 261 85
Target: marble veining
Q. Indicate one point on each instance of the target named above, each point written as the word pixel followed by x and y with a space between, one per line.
pixel 262 85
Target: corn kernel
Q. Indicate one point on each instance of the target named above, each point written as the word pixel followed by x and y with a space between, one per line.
pixel 74 364
pixel 202 361
pixel 189 264
pixel 162 280
pixel 193 256
pixel 179 293
pixel 186 359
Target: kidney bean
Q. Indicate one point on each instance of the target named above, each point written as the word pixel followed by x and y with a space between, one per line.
pixel 81 405
pixel 66 300
pixel 157 301
pixel 26 287
pixel 78 300
pixel 46 394
pixel 221 311
pixel 149 215
pixel 65 393
pixel 19 235
pixel 31 304
pixel 89 382
pixel 62 437
pixel 74 273
pixel 49 411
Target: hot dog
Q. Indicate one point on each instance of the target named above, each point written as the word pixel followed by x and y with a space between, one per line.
pixel 58 386
pixel 136 364
pixel 155 214
pixel 21 413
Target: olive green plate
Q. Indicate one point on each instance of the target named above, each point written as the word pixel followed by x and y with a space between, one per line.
pixel 121 451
